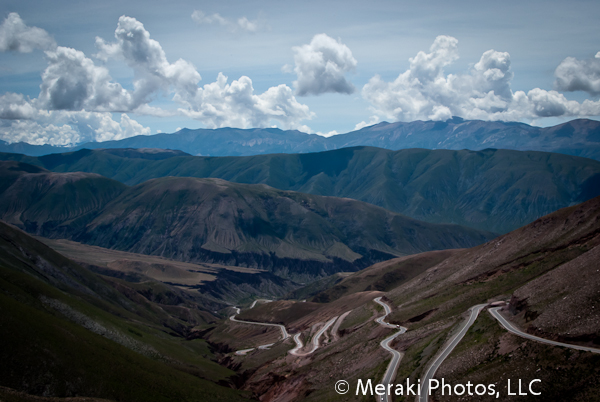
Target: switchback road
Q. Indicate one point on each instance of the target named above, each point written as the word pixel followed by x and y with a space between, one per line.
pixel 284 335
pixel 392 368
pixel 315 340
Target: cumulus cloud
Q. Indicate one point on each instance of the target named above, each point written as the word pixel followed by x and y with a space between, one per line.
pixel 17 37
pixel 321 66
pixel 220 104
pixel 15 106
pixel 579 75
pixel 217 104
pixel 426 92
pixel 73 82
pixel 60 127
pixel 241 24
pixel 77 96
pixel 147 58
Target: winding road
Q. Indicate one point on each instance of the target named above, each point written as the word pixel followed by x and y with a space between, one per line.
pixel 396 355
pixel 392 368
pixel 315 340
pixel 509 327
pixel 284 334
pixel 475 310
pixel 424 397
pixel 336 326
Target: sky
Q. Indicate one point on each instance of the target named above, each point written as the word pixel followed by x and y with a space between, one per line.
pixel 73 72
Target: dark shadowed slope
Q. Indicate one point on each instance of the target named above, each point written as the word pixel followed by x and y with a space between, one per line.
pixel 68 332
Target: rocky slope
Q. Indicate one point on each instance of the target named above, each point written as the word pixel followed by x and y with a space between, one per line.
pixel 295 235
pixel 547 270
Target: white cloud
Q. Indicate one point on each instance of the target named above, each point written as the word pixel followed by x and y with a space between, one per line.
pixel 217 104
pixel 220 104
pixel 77 96
pixel 247 25
pixel 15 106
pixel 72 82
pixel 373 120
pixel 17 37
pixel 328 134
pixel 69 127
pixel 321 66
pixel 146 57
pixel 579 75
pixel 425 92
pixel 242 23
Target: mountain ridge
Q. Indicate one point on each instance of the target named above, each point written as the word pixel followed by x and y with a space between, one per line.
pixel 579 137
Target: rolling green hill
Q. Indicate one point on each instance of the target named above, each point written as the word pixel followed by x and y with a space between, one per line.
pixel 495 190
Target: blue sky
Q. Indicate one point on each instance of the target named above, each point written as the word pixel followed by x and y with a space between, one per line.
pixel 73 72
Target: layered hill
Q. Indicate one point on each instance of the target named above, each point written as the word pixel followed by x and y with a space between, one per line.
pixel 495 190
pixel 295 235
pixel 44 202
pixel 579 137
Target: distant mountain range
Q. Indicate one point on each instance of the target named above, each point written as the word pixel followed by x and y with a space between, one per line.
pixel 578 137
pixel 297 236
pixel 493 190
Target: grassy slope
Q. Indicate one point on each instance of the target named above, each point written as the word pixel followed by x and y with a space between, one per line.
pixel 45 353
pixel 490 355
pixel 383 276
pixel 48 203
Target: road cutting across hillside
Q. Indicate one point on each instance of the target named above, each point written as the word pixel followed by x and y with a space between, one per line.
pixel 509 327
pixel 284 333
pixel 260 300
